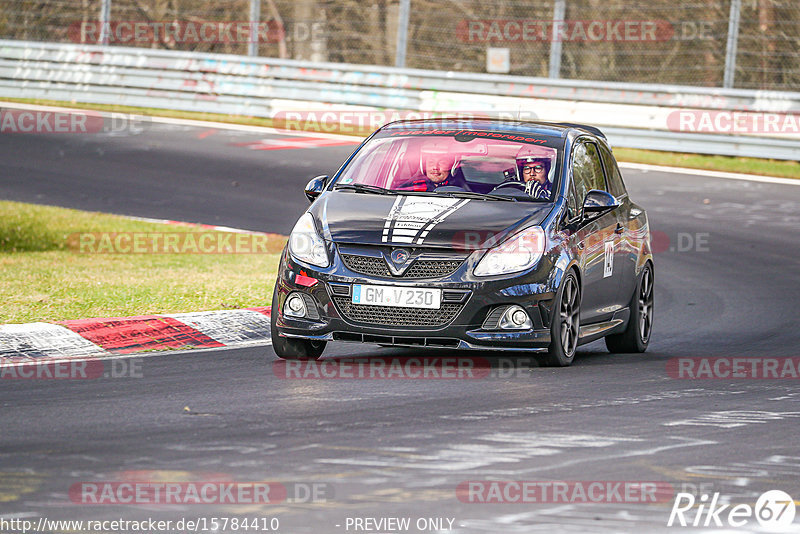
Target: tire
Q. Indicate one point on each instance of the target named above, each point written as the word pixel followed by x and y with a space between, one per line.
pixel 288 348
pixel 565 324
pixel 636 336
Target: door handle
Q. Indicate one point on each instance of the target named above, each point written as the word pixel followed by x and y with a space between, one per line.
pixel 619 229
pixel 581 245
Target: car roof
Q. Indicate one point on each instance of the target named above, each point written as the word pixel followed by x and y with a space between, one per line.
pixel 555 129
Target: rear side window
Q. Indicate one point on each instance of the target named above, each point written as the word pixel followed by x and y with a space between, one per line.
pixel 615 184
pixel 587 170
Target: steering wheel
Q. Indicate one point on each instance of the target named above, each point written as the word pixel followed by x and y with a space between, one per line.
pixel 516 185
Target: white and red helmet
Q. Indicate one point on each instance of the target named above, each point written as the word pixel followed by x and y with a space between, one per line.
pixel 439 150
pixel 533 154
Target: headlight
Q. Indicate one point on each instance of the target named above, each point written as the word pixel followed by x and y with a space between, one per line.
pixel 518 253
pixel 305 245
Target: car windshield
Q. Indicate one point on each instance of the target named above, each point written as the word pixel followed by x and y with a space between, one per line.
pixel 501 166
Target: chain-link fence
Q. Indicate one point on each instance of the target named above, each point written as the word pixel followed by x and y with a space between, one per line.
pixel 753 44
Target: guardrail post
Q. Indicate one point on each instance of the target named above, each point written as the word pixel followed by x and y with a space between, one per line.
pixel 559 10
pixel 402 33
pixel 105 16
pixel 255 18
pixel 733 41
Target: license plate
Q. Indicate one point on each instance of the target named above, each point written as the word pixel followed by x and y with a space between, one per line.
pixel 403 297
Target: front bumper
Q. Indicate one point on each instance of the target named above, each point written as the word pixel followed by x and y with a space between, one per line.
pixel 479 297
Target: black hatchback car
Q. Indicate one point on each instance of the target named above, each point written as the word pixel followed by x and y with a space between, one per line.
pixel 469 234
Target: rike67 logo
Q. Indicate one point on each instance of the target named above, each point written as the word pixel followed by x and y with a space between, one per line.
pixel 774 511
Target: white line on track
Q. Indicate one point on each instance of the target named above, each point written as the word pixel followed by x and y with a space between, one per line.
pixel 710 174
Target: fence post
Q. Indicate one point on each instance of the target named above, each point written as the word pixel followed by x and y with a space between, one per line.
pixel 559 10
pixel 733 41
pixel 255 18
pixel 105 16
pixel 402 33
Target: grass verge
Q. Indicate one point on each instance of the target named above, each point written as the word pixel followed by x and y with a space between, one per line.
pixel 764 167
pixel 55 266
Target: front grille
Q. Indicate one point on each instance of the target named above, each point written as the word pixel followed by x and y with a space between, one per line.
pixel 366 265
pixel 432 268
pixel 396 316
pixel 374 266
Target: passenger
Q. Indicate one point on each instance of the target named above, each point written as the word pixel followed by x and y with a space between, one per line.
pixel 437 169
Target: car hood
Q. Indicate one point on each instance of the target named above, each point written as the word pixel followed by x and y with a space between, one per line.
pixel 421 221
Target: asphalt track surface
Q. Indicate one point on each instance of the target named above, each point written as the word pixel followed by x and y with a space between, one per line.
pixel 399 448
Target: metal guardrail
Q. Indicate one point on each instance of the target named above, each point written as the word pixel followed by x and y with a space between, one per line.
pixel 633 116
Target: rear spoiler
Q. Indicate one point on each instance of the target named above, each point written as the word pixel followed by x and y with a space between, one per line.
pixel 591 129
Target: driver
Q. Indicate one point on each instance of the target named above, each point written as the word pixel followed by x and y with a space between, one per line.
pixel 534 171
pixel 436 170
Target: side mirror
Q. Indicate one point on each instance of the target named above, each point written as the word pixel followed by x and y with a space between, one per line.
pixel 597 202
pixel 315 186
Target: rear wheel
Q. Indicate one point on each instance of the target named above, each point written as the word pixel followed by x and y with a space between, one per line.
pixel 288 348
pixel 636 336
pixel 565 325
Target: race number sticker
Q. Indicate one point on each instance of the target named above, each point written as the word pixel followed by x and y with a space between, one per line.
pixel 608 266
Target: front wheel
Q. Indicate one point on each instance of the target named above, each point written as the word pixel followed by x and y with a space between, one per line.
pixel 288 348
pixel 636 336
pixel 565 325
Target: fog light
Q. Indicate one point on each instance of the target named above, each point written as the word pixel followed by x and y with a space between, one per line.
pixel 515 318
pixel 295 306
